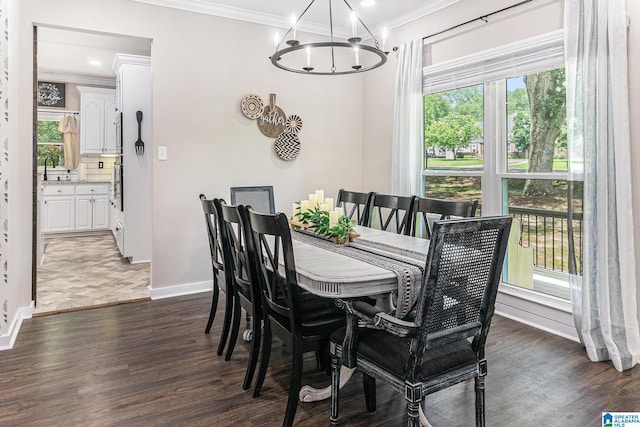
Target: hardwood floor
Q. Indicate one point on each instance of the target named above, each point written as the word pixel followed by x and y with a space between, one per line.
pixel 150 364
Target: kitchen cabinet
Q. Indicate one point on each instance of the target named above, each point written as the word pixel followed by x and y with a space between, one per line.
pixel 58 207
pixel 97 120
pixel 75 207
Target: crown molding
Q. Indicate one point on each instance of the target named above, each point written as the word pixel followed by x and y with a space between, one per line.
pixel 82 80
pixel 123 58
pixel 210 8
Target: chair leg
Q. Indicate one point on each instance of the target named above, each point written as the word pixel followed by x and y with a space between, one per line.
pixel 214 303
pixel 264 361
pixel 228 312
pixel 235 327
pixel 413 395
pixel 479 386
pixel 253 354
pixel 295 383
pixel 369 384
pixel 335 390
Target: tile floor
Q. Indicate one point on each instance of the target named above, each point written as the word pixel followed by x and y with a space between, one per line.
pixel 85 271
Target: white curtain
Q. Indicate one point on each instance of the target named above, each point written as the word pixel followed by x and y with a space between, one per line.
pixel 408 145
pixel 605 298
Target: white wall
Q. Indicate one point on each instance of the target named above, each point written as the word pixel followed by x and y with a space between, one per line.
pixel 202 66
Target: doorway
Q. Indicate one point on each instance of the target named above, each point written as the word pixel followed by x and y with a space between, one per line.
pixel 76 265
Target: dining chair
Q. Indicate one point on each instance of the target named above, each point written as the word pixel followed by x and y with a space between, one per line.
pixel 301 320
pixel 445 343
pixel 355 203
pixel 222 270
pixel 427 209
pixel 260 198
pixel 391 213
pixel 247 291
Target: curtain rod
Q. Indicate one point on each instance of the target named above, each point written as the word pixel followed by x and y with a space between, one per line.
pixel 66 112
pixel 479 18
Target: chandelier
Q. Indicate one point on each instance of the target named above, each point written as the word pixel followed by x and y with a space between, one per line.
pixel 332 57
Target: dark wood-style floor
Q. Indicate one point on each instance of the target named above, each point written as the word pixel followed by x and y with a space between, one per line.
pixel 150 364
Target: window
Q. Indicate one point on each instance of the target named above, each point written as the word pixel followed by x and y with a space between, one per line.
pixel 50 142
pixel 495 130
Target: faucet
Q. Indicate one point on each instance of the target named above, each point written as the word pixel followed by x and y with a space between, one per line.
pixel 53 164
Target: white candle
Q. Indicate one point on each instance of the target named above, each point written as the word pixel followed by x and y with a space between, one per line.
pixel 323 207
pixel 293 27
pixel 313 201
pixel 304 206
pixel 329 202
pixel 320 196
pixel 385 33
pixel 355 49
pixel 333 217
pixel 354 20
pixel 308 57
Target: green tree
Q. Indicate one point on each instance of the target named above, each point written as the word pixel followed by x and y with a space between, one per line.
pixel 48 132
pixel 452 132
pixel 467 101
pixel 521 130
pixel 547 103
pixel 436 106
pixel 517 100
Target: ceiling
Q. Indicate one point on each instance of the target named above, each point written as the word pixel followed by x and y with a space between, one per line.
pixel 78 53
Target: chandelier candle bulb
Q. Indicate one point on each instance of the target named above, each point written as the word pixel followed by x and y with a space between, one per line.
pixel 385 33
pixel 293 27
pixel 355 49
pixel 329 202
pixel 276 40
pixel 333 218
pixel 320 196
pixel 308 57
pixel 354 21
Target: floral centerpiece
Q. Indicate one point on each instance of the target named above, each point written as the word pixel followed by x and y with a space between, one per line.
pixel 318 214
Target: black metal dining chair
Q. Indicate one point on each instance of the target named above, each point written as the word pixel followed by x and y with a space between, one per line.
pixel 247 291
pixel 222 270
pixel 444 344
pixel 301 320
pixel 355 204
pixel 427 209
pixel 391 213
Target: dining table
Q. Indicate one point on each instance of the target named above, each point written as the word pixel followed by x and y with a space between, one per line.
pixel 381 265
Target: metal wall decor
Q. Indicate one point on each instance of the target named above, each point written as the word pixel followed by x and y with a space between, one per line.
pixel 274 123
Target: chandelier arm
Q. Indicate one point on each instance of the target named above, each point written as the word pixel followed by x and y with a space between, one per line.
pixel 375 40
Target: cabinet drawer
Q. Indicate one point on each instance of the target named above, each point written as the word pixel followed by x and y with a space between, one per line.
pixel 58 190
pixel 92 189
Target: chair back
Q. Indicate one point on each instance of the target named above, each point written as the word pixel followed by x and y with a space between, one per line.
pixel 460 284
pixel 279 285
pixel 260 198
pixel 391 213
pixel 354 203
pixel 236 223
pixel 427 209
pixel 212 220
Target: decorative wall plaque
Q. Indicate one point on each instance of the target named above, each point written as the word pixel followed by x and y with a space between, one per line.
pixel 274 123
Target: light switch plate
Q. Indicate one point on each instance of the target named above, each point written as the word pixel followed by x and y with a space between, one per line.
pixel 162 153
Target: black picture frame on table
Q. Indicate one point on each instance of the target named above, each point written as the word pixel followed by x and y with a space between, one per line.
pixel 52 94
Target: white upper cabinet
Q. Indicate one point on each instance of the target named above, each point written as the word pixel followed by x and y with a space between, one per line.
pixel 97 120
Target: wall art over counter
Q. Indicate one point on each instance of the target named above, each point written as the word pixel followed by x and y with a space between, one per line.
pixel 52 94
pixel 274 123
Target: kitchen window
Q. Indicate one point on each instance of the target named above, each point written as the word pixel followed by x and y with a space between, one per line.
pixel 50 138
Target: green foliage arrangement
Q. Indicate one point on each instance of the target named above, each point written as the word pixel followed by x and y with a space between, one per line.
pixel 318 221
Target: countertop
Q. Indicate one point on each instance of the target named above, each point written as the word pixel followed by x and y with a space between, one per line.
pixel 56 182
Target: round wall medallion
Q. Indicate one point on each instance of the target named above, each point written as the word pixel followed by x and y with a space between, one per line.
pixel 272 121
pixel 294 124
pixel 287 146
pixel 252 106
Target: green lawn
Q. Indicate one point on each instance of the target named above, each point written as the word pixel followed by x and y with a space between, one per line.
pixel 558 164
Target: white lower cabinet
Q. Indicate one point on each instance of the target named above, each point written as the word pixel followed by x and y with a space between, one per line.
pixel 75 207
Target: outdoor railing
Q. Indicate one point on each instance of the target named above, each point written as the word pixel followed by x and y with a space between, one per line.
pixel 556 242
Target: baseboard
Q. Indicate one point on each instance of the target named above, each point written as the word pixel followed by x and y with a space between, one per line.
pixel 7 341
pixel 549 317
pixel 179 290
